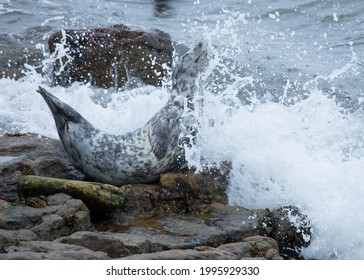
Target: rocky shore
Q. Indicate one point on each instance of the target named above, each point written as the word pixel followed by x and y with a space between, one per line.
pixel 183 216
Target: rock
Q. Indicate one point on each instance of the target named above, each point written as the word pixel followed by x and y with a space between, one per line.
pixel 48 223
pixel 173 231
pixel 182 192
pixel 100 198
pixel 13 237
pixel 177 231
pixel 189 254
pixel 51 227
pixel 110 57
pixel 117 244
pixel 159 239
pixel 264 247
pixel 31 154
pixel 19 51
pixel 22 217
pixel 136 241
pixel 186 192
pixel 40 250
pixel 13 63
pixel 254 247
pixel 289 227
pixel 197 229
pixel 111 244
pixel 4 204
pixel 238 222
pixel 241 249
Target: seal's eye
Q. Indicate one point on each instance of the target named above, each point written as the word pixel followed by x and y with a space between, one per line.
pixel 198 47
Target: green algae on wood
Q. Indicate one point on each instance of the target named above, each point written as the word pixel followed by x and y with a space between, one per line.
pixel 98 197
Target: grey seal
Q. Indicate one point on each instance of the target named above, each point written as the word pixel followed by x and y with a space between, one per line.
pixel 139 156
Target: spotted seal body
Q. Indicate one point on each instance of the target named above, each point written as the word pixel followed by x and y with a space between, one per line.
pixel 135 157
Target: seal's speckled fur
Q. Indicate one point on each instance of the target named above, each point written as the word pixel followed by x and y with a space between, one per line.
pixel 135 157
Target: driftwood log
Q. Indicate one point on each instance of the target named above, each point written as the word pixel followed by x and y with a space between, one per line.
pixel 100 198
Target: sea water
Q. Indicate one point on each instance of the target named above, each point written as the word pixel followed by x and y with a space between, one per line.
pixel 283 97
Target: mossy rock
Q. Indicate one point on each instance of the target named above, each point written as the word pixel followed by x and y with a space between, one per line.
pixel 99 198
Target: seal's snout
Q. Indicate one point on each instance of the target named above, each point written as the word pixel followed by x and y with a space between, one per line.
pixel 61 111
pixel 42 91
pixel 49 98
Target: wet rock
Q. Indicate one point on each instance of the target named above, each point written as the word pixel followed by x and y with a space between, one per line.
pixel 38 250
pixel 238 222
pixel 50 222
pixel 13 237
pixel 137 240
pixel 241 249
pixel 13 65
pixel 110 57
pixel 159 239
pixel 182 192
pixel 195 228
pixel 264 247
pixel 31 154
pixel 187 192
pixel 290 227
pixel 51 227
pixel 178 231
pixel 253 247
pixel 205 253
pixel 21 217
pixel 4 204
pixel 19 52
pixel 110 243
pixel 118 244
pixel 173 231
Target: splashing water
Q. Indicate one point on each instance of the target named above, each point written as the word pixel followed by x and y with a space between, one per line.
pixel 271 108
pixel 296 146
pixel 300 148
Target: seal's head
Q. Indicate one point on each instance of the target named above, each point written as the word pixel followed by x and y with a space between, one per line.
pixel 187 69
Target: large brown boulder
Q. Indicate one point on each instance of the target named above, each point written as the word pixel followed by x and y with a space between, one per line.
pixel 110 57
